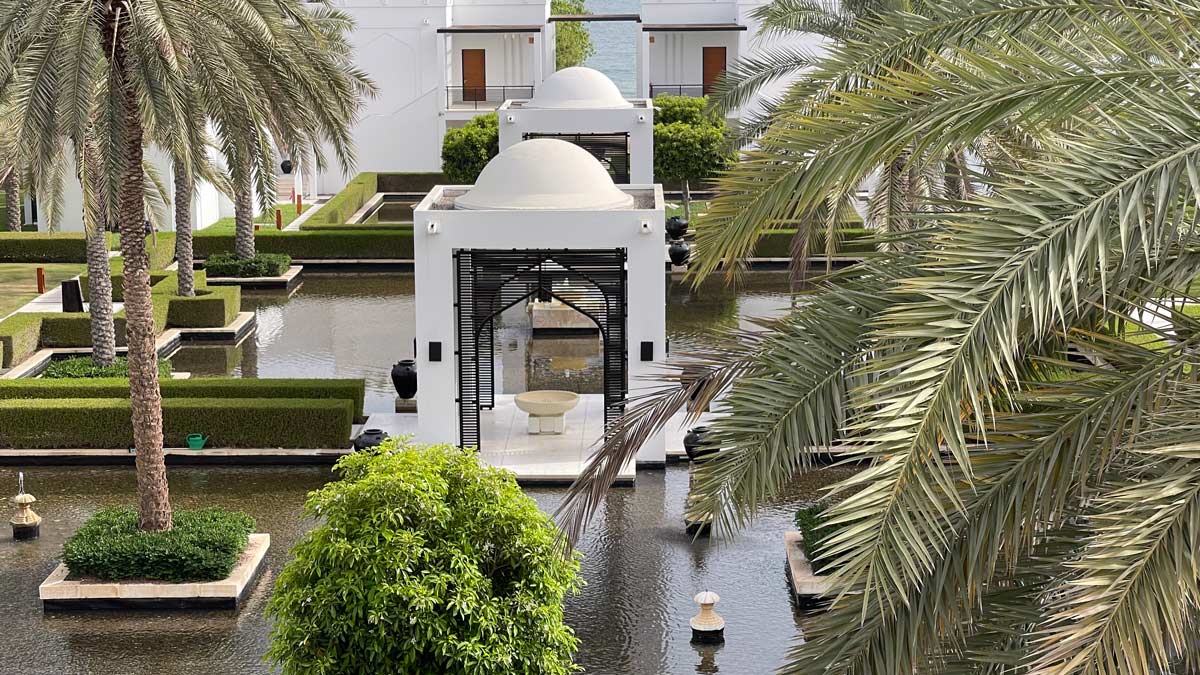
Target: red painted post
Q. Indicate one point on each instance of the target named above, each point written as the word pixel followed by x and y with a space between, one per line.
pixel 256 228
pixel 278 219
pixel 41 280
pixel 299 203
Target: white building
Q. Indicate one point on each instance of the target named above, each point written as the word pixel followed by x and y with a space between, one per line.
pixel 583 106
pixel 544 221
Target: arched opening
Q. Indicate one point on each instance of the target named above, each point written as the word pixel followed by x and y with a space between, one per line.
pixel 491 281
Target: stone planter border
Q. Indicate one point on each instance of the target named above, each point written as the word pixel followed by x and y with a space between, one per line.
pixel 59 593
pixel 810 590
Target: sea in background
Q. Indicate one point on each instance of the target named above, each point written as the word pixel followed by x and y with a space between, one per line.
pixel 615 43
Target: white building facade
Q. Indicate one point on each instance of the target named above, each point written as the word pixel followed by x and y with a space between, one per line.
pixel 540 197
pixel 583 106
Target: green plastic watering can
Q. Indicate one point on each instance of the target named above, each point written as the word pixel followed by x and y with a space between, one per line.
pixel 196 441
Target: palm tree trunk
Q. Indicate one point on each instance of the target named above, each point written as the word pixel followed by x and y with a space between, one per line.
pixel 687 202
pixel 154 506
pixel 12 200
pixel 100 300
pixel 243 215
pixel 183 230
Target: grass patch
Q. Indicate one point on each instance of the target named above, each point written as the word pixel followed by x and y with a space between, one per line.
pixel 18 282
pixel 265 220
pixel 202 545
pixel 83 367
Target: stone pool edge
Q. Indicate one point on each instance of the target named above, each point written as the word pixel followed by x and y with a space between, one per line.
pixel 808 589
pixel 58 594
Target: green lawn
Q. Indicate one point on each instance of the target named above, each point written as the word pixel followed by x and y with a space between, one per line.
pixel 18 281
pixel 226 225
pixel 675 208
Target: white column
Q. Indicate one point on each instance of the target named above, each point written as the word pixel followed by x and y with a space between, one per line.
pixel 643 63
pixel 437 421
pixel 647 322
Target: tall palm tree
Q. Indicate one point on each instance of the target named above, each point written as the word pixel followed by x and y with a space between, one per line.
pixel 13 210
pixel 1015 377
pixel 145 59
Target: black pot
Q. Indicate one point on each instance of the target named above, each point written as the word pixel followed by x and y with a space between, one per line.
pixel 676 227
pixel 679 253
pixel 286 165
pixel 693 441
pixel 404 378
pixel 369 438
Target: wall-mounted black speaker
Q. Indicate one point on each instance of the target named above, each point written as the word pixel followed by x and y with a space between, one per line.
pixel 647 351
pixel 435 351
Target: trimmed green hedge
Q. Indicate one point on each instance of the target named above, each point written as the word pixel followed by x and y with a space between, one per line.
pixel 370 225
pixel 812 521
pixel 19 335
pixel 211 307
pixel 69 247
pixel 344 204
pixel 778 243
pixel 332 244
pixel 353 390
pixel 203 545
pixel 409 181
pixel 227 422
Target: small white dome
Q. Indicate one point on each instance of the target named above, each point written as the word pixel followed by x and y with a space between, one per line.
pixel 578 87
pixel 544 174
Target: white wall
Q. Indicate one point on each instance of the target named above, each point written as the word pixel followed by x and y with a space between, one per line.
pixel 588 121
pixel 688 11
pixel 509 58
pixel 678 58
pixel 434 276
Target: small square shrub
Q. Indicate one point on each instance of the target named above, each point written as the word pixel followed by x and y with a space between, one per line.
pixel 226 264
pixel 84 367
pixel 815 530
pixel 202 545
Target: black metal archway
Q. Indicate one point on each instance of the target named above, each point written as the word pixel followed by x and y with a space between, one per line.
pixel 611 150
pixel 489 281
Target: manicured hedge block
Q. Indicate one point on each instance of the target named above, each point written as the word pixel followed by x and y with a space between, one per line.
pixel 353 390
pixel 203 545
pixel 73 330
pixel 344 204
pixel 118 284
pixel 778 243
pixel 28 247
pixel 227 264
pixel 409 182
pixel 227 422
pixel 19 336
pixel 369 225
pixel 340 244
pixel 211 307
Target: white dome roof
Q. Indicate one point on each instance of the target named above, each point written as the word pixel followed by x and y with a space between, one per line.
pixel 544 174
pixel 578 87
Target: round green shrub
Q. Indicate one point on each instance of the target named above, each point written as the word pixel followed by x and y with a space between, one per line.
pixel 467 149
pixel 424 562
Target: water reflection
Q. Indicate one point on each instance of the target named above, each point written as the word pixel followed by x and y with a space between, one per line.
pixel 358 326
pixel 642 572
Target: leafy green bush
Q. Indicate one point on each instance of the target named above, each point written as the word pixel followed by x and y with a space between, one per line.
pixel 466 150
pixel 424 562
pixel 226 264
pixel 228 422
pixel 333 244
pixel 572 40
pixel 353 390
pixel 202 545
pixel 84 367
pixel 814 532
pixel 690 110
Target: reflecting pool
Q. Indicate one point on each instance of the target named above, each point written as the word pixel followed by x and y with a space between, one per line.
pixel 359 325
pixel 640 567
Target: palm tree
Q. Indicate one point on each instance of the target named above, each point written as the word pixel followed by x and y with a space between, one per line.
pixel 1008 375
pixel 184 186
pixel 12 198
pixel 144 60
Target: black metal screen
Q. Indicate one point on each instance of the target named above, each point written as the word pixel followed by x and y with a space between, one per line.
pixel 612 150
pixel 592 281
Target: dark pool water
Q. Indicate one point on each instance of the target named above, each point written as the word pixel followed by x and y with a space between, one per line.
pixel 359 325
pixel 640 567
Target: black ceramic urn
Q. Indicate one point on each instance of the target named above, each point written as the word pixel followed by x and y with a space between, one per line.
pixel 693 441
pixel 676 227
pixel 286 166
pixel 369 438
pixel 679 253
pixel 404 378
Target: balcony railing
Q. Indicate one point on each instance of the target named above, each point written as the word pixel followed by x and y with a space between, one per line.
pixel 484 98
pixel 692 90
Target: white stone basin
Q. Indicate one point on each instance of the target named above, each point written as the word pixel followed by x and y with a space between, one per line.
pixel 547 403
